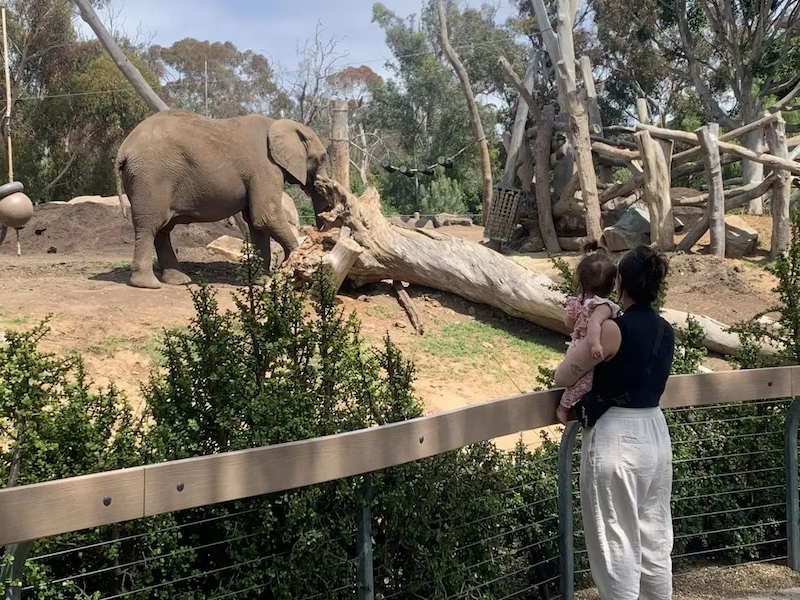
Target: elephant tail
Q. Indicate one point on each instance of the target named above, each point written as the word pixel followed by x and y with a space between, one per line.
pixel 119 164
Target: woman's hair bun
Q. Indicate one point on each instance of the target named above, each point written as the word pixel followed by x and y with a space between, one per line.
pixel 590 247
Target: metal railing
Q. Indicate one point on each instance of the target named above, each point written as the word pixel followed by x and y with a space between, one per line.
pixel 533 539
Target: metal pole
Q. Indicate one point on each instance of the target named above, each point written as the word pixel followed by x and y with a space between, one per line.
pixel 11 572
pixel 792 491
pixel 566 543
pixel 366 583
pixel 205 63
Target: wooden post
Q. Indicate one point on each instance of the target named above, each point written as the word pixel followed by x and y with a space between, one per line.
pixel 579 125
pixel 595 121
pixel 543 199
pixel 564 170
pixel 340 143
pixel 781 190
pixel 562 54
pixel 641 110
pixel 708 137
pixel 656 158
pixel 8 100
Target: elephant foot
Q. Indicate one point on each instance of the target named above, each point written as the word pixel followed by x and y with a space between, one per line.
pixel 175 277
pixel 144 280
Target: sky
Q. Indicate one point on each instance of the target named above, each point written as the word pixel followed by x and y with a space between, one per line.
pixel 273 28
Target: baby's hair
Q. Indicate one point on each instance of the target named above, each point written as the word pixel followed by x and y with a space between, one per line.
pixel 596 272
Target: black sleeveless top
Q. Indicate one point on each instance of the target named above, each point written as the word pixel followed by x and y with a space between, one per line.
pixel 626 371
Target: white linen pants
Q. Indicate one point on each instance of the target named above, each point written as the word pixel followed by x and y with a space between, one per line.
pixel 626 483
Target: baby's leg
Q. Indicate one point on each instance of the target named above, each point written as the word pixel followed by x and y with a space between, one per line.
pixel 574 393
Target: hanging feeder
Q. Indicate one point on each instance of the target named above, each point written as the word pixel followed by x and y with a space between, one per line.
pixel 16 209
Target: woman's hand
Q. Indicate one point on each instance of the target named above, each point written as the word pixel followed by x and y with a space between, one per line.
pixel 580 360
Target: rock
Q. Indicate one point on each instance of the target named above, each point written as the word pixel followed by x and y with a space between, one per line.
pixel 445 220
pixel 231 248
pixel 105 201
pixel 400 325
pixel 630 231
pixel 740 238
pixel 52 250
pixel 290 208
pixel 364 299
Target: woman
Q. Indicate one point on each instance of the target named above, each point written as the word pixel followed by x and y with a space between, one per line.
pixel 626 459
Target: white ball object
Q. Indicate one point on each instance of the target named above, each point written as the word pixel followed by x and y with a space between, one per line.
pixel 15 210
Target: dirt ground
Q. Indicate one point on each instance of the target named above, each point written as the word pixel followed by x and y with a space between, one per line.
pixel 74 266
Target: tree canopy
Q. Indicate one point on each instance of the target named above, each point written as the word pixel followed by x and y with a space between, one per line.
pixel 694 60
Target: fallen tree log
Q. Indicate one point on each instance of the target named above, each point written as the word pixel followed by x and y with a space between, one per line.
pixel 467 269
pixel 405 301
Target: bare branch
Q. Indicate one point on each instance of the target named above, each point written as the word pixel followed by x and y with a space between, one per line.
pixel 694 71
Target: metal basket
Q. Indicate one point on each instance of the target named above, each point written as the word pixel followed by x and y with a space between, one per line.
pixel 504 212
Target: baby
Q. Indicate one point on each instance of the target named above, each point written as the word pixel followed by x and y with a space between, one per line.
pixel 596 274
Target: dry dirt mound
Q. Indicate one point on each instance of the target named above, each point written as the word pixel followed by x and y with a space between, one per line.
pixel 709 285
pixel 88 229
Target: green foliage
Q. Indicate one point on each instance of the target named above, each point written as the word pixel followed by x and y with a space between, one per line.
pixel 782 332
pixel 442 195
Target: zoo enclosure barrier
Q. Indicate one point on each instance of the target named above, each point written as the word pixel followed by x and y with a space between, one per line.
pixel 32 512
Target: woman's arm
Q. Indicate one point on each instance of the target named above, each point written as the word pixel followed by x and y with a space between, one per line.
pixel 580 360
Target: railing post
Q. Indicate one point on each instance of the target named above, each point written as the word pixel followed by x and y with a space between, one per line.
pixel 11 570
pixel 792 491
pixel 566 543
pixel 366 584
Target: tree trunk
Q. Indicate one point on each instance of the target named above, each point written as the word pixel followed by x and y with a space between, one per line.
pixel 341 259
pixel 339 150
pixel 405 301
pixel 753 172
pixel 474 115
pixel 708 136
pixel 781 190
pixel 543 199
pixel 656 158
pixel 579 124
pixel 130 72
pixel 565 170
pixel 470 270
pixel 518 129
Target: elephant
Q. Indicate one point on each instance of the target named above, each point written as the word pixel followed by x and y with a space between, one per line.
pixel 179 167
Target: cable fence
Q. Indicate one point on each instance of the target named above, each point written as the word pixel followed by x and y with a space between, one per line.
pixel 729 487
pixel 246 549
pixel 478 522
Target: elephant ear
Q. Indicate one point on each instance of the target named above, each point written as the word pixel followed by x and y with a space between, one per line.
pixel 288 147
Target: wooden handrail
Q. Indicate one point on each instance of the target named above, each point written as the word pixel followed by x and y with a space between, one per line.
pixel 51 508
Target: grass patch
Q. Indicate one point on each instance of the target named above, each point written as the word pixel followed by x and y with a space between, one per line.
pixel 477 344
pixel 18 320
pixel 378 311
pixel 149 346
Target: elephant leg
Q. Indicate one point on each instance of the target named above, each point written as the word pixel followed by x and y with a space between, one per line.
pixel 142 275
pixel 170 271
pixel 268 217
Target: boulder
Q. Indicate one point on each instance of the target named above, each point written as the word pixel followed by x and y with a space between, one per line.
pixel 740 238
pixel 231 248
pixel 445 220
pixel 632 229
pixel 105 201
